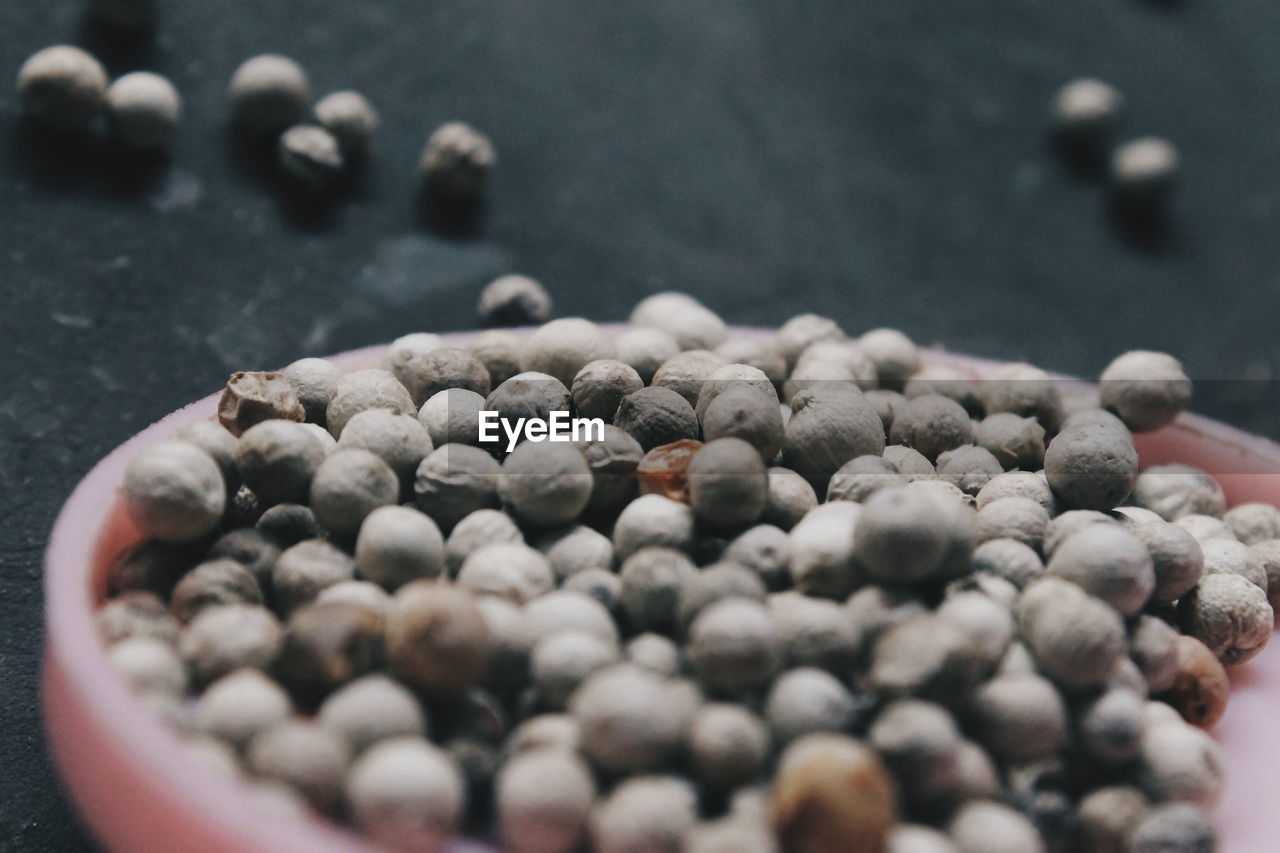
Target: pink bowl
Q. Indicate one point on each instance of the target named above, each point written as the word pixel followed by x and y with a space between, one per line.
pixel 138 791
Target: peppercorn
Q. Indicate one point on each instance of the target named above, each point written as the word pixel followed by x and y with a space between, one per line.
pixel 514 300
pixel 684 373
pixel 361 593
pixel 219 581
pixel 1226 556
pixel 968 468
pixel 398 544
pixel 513 571
pixel 983 826
pixel 1177 828
pixel 529 395
pixel 543 800
pixel 656 416
pixel 499 351
pixel 982 617
pixel 814 632
pixel 427 374
pixel 303 570
pixel 754 353
pixel 351 119
pixel 664 469
pixel 822 551
pixel 1020 519
pixel 1229 614
pixel 1076 638
pixel 277 459
pixel 239 705
pixel 830 425
pixel 1015 441
pixel 1199 687
pixel 1180 763
pixel 63 86
pixel 1268 553
pixel 366 389
pixel 651 580
pixel 326 646
pixel 895 357
pixel 1147 390
pixel 437 640
pixel 1091 467
pixel 456 162
pixel 144 109
pixel 734 647
pixel 650 813
pixel 1204 527
pixel 315 382
pixel 906 535
pixel 406 794
pixel 480 528
pixel 742 412
pixel 1153 647
pixel 805 701
pixel 1086 112
pixel 909 462
pixel 944 380
pixel 802 331
pixel 715 583
pixel 1010 559
pixel 630 720
pixel 229 637
pixel 645 350
pixel 728 486
pixel 842 359
pixel 174 492
pixel 563 610
pixel 544 732
pixel 1144 171
pixel 861 477
pixel 691 323
pixel 1112 726
pixel 1132 516
pixel 136 613
pixel 728 745
pixel 916 838
pixel 926 656
pixel 1177 490
pixel 561 661
pixel 218 443
pixel 251 398
pixel 1107 816
pixel 1109 562
pixel 348 485
pixel 765 550
pixel 290 524
pixel 932 424
pixel 831 792
pixel 654 653
pixel 790 498
pixel 1020 718
pixel 268 93
pixel 148 665
pixel 652 520
pixel 454 481
pixel 545 485
pixel 399 440
pixel 452 416
pixel 1022 389
pixel 1067 524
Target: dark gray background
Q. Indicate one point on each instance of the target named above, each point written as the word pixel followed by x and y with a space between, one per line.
pixel 883 163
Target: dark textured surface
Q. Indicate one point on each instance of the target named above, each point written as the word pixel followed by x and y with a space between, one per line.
pixel 884 163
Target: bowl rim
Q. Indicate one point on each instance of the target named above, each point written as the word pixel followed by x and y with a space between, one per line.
pixel 74 647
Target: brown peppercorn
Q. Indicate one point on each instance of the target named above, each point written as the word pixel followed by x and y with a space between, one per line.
pixel 832 793
pixel 328 645
pixel 251 398
pixel 664 469
pixel 437 639
pixel 1200 689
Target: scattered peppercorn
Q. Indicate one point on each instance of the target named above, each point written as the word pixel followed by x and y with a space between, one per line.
pixel 145 110
pixel 63 86
pixel 268 93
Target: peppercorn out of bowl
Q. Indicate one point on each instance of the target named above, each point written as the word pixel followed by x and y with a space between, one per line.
pixel 138 790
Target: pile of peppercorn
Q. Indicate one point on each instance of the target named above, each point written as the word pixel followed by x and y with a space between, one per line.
pixel 809 592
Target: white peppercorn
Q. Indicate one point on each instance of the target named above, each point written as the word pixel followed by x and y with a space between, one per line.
pixel 1176 490
pixel 1020 718
pixel 631 720
pixel 1010 559
pixel 1067 524
pixel 428 373
pixel 830 425
pixel 230 637
pixel 530 395
pixel 835 356
pixel 174 491
pixel 1021 519
pixel 888 404
pixel 148 665
pixel 765 550
pixel 1229 614
pixel 685 373
pixel 815 632
pixel 315 381
pixel 728 745
pixel 452 416
pixel 927 656
pixel 691 323
pixel 310 155
pixel 742 412
pixel 1018 484
pixel 563 610
pixel 457 161
pixel 807 700
pixel 499 351
pixel 214 582
pixel 655 653
pixel 861 477
pixel 1180 763
pixel 656 416
pixel 544 732
pixel 215 440
pixel 1109 562
pixel 350 118
pixel 514 300
pixel 984 620
pixel 800 332
pixel 1015 441
pixel 1091 467
pixel 600 385
pixel 543 800
pixel 1253 522
pixel 145 109
pixel 1086 112
pixel 1144 171
pixel 437 640
pixel 268 93
pixel 1153 647
pixel 1112 726
pixel 968 468
pixel 303 570
pixel 1147 390
pixel 1022 389
pixel 508 667
pixel 406 794
pixel 1178 828
pixel 613 462
pixel 909 462
pixel 715 583
pixel 512 571
pixel 1107 817
pixel 650 813
pixel 401 441
pixel 239 705
pixel 919 742
pixel 906 535
pixel 362 593
pixel 63 86
pixel 1076 638
pixel 561 661
pixel 1232 557
pixel 932 424
pixel 734 648
pixel 646 349
pixel 953 382
pixel 916 838
pixel 454 481
pixel 348 485
pixel 574 549
pixel 1268 552
pixel 396 545
pixel 1204 527
pixel 651 579
pixel 136 613
pixel 545 485
pixel 290 524
pixel 372 709
pixel 366 389
pixel 563 347
pixel 754 353
pixel 790 498
pixel 983 826
pixel 822 562
pixel 728 486
pixel 478 529
pixel 895 357
pixel 652 520
pixel 277 459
